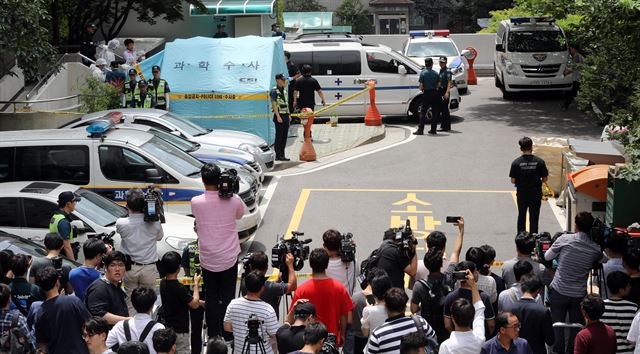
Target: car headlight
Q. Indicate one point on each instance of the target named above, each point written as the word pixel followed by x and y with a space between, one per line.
pixel 177 243
pixel 511 68
pixel 250 148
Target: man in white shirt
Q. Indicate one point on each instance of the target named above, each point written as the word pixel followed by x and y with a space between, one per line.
pixel 141 327
pixel 342 271
pixel 131 57
pixel 468 335
pixel 139 241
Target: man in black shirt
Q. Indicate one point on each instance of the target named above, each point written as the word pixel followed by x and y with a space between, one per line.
pixel 395 261
pixel 105 297
pixel 294 74
pixel 273 290
pixel 527 173
pixel 290 337
pixel 305 90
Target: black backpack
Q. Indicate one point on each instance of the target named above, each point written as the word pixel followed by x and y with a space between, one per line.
pixel 432 307
pixel 14 341
pixel 370 263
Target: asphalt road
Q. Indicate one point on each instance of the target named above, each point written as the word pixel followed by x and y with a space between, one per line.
pixel 464 172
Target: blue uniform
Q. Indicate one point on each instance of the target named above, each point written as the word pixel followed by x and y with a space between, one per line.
pixel 429 80
pixel 445 79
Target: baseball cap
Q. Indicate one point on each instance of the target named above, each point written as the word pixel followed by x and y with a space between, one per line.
pixel 66 197
pixel 280 77
pixel 132 71
pixel 305 308
pixel 155 68
pixel 143 83
pixel 443 59
pixel 428 61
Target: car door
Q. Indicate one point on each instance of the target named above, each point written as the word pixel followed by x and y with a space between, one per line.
pixel 11 216
pixel 338 72
pixel 395 86
pixel 37 216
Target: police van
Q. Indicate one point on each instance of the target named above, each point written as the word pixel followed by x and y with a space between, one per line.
pixel 343 68
pixel 531 55
pixel 111 161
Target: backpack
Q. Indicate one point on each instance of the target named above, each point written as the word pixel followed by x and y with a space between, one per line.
pixel 127 333
pixel 14 341
pixel 432 307
pixel 370 263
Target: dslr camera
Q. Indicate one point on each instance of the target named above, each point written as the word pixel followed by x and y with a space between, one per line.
pixel 153 205
pixel 405 240
pixel 293 245
pixel 347 248
pixel 229 183
pixel 330 346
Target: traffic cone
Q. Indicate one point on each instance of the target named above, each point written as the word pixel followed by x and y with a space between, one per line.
pixel 472 78
pixel 372 117
pixel 307 152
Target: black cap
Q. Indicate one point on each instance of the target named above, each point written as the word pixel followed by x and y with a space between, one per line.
pixel 443 59
pixel 66 197
pixel 428 62
pixel 280 77
pixel 143 83
pixel 133 71
pixel 305 308
pixel 155 68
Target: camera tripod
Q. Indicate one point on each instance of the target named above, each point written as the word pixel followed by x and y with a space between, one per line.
pixel 249 341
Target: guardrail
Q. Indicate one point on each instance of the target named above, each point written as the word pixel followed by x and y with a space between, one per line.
pixel 31 102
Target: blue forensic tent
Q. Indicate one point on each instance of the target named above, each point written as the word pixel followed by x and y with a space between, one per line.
pixel 222 83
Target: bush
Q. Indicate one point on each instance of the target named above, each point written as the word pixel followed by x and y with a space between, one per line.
pixel 97 95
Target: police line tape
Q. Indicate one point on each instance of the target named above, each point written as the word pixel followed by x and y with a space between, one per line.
pixel 324 109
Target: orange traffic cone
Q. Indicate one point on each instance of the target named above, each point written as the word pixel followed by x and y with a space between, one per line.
pixel 307 152
pixel 472 78
pixel 373 116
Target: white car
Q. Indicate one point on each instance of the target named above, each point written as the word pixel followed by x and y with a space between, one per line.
pixel 28 206
pixel 436 44
pixel 174 124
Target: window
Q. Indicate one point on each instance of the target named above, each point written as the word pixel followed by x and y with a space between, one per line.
pixel 151 123
pixel 432 49
pixel 302 58
pixel 173 157
pixel 185 125
pixel 380 62
pixel 536 41
pixel 6 164
pixel 336 63
pixel 66 164
pixel 121 164
pixel 9 215
pixel 39 211
pixel 99 209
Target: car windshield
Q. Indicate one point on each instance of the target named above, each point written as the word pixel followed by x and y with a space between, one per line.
pixel 431 49
pixel 185 125
pixel 99 209
pixel 173 157
pixel 536 41
pixel 182 144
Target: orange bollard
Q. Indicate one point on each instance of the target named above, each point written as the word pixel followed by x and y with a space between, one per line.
pixel 373 116
pixel 307 152
pixel 472 78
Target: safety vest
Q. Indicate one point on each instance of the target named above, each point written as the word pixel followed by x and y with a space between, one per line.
pixel 158 92
pixel 53 225
pixel 129 94
pixel 282 100
pixel 193 251
pixel 148 100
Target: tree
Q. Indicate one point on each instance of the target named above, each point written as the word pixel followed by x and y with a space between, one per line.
pixel 22 31
pixel 97 95
pixel 352 12
pixel 303 6
pixel 429 10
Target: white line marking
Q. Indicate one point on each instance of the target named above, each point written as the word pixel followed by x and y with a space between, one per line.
pixel 557 212
pixel 268 195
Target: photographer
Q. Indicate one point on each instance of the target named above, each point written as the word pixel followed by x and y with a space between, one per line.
pixel 314 337
pixel 395 260
pixel 576 255
pixel 240 311
pixel 273 291
pixel 139 242
pixel 219 246
pixel 80 278
pixel 615 247
pixel 344 272
pixel 290 337
pixel 525 244
pixel 53 243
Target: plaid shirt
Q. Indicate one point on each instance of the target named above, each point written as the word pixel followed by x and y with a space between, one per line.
pixel 6 318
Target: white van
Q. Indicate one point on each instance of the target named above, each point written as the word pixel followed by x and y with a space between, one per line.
pixel 343 68
pixel 110 163
pixel 531 55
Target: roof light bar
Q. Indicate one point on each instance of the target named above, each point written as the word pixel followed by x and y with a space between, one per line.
pixel 99 127
pixel 429 33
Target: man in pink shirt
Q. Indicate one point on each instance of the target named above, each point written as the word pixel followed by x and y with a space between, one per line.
pixel 219 246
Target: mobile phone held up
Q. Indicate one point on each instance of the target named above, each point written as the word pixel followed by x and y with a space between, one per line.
pixel 453 219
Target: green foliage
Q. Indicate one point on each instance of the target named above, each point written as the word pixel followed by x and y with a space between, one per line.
pixel 568 23
pixel 23 33
pixel 353 13
pixel 303 6
pixel 97 95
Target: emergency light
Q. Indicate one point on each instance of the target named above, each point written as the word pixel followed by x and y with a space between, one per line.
pixel 532 20
pixel 99 127
pixel 429 33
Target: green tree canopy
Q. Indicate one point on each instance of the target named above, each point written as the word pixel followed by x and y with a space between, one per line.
pixel 353 13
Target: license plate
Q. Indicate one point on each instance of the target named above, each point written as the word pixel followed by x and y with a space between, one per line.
pixel 541 82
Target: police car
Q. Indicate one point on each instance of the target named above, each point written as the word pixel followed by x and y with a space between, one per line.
pixel 436 44
pixel 171 123
pixel 531 55
pixel 28 206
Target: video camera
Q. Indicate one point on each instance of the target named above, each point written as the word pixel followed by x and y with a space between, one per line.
pixel 347 248
pixel 246 263
pixel 153 205
pixel 57 264
pixel 107 238
pixel 602 234
pixel 294 246
pixel 229 183
pixel 403 237
pixel 330 345
pixel 253 324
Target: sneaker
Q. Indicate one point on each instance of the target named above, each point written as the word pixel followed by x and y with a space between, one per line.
pixel 417 132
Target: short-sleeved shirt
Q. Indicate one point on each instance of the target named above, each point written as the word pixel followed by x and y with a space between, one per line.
pixel 139 238
pixel 24 293
pixel 393 261
pixel 307 87
pixel 359 302
pixel 619 314
pixel 272 293
pixel 528 171
pixel 290 338
pixel 330 298
pixel 518 346
pixel 175 304
pixel 596 338
pixel 373 316
pixel 42 262
pixel 80 278
pixel 634 333
pixel 445 78
pixel 102 297
pixel 342 272
pixel 466 294
pixel 58 323
pixel 217 232
pixel 429 79
pixel 238 313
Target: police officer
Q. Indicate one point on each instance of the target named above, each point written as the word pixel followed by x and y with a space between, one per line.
pixel 143 98
pixel 130 89
pixel 280 107
pixel 191 266
pixel 444 91
pixel 528 172
pixel 429 81
pixel 61 221
pixel 159 89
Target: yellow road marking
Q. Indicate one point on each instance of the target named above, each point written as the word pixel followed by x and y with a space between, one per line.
pixel 408 190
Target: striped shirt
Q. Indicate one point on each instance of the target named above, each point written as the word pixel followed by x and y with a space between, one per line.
pixel 576 254
pixel 386 338
pixel 619 315
pixel 238 313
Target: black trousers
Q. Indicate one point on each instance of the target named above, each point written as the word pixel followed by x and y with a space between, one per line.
pixel 282 131
pixel 561 306
pixel 430 99
pixel 572 94
pixel 529 200
pixel 221 289
pixel 445 116
pixel 197 318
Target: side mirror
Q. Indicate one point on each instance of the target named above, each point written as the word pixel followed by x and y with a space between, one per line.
pixel 500 47
pixel 466 52
pixel 402 70
pixel 151 175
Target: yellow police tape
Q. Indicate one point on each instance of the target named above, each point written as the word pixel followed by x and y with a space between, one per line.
pixel 139 71
pixel 324 109
pixel 219 96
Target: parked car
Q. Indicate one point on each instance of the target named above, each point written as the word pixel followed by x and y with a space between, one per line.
pixel 172 123
pixel 20 245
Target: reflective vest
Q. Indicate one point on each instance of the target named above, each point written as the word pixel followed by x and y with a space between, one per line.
pixel 53 225
pixel 130 94
pixel 148 100
pixel 194 257
pixel 158 92
pixel 282 100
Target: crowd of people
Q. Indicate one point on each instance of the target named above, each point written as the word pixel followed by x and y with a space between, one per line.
pixel 451 305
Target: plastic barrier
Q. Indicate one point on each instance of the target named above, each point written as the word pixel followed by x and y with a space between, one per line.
pixel 307 152
pixel 472 78
pixel 372 118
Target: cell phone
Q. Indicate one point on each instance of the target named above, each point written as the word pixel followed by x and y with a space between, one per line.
pixel 459 275
pixel 453 219
pixel 151 207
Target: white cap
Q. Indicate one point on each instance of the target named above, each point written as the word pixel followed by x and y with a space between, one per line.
pixel 113 44
pixel 101 61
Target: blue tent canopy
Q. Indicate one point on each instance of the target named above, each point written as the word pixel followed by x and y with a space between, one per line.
pixel 222 83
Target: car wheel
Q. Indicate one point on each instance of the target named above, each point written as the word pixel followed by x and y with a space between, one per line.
pixel 495 77
pixel 505 94
pixel 416 110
